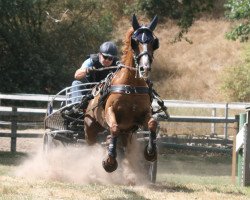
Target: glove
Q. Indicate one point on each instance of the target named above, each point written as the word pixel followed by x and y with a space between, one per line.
pixel 90 69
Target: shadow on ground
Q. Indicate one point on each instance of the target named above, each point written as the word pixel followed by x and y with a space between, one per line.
pixel 9 158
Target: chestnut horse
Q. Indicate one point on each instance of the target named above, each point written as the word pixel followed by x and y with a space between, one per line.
pixel 128 104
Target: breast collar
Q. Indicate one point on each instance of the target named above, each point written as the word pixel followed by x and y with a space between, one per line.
pixel 128 89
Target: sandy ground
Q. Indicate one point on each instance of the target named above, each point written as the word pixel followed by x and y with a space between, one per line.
pixel 34 146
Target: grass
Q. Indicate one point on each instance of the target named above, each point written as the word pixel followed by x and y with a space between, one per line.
pixel 192 71
pixel 19 189
pixel 197 129
pixel 180 176
pixel 9 160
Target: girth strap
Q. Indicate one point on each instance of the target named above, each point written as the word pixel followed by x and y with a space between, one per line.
pixel 128 89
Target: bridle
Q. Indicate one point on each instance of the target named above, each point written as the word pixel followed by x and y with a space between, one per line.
pixel 137 57
pixel 143 36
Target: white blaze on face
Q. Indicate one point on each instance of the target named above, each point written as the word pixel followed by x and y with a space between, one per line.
pixel 144 66
pixel 144 37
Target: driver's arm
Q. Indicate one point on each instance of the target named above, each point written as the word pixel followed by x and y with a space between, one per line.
pixel 83 71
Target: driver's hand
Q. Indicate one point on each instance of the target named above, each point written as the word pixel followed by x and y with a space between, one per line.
pixel 90 69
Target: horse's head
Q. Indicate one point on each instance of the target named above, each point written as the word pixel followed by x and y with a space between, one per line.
pixel 143 43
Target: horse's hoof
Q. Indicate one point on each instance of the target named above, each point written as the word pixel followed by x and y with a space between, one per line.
pixel 150 156
pixel 109 167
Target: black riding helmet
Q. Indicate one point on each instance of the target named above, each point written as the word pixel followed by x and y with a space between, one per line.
pixel 108 49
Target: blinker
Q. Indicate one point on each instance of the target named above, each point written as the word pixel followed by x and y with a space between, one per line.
pixel 156 43
pixel 134 43
pixel 143 35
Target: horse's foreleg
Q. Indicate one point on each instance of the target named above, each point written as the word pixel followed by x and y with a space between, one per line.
pixel 110 163
pixel 111 121
pixel 150 152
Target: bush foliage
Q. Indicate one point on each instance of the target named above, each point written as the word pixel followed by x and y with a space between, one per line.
pixel 236 83
pixel 236 80
pixel 239 10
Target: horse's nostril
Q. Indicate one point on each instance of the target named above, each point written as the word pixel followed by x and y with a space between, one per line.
pixel 141 69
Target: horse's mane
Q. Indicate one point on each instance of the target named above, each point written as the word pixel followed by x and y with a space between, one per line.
pixel 127 57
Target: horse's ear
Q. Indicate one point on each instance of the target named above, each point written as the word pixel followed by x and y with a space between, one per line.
pixel 153 23
pixel 135 23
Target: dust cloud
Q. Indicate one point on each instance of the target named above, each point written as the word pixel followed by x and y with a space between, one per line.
pixel 82 165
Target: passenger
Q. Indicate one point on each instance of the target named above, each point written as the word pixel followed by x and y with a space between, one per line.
pixel 106 57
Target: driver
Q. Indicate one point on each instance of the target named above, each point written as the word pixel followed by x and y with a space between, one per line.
pixel 106 57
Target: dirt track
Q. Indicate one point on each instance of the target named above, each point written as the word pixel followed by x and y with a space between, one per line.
pixel 180 176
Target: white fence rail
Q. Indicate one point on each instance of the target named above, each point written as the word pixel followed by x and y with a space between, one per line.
pixel 168 103
pixel 213 118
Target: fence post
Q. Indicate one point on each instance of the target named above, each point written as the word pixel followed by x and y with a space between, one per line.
pixel 234 158
pixel 246 153
pixel 225 125
pixel 213 124
pixel 240 158
pixel 13 129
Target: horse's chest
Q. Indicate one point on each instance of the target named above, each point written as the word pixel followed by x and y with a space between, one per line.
pixel 131 108
pixel 128 107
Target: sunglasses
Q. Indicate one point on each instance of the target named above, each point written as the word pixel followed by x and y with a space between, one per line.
pixel 107 57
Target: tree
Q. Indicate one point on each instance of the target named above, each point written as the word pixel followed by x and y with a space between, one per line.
pixel 42 42
pixel 239 10
pixel 236 79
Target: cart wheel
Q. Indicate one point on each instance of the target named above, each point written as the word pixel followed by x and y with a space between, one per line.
pixel 48 143
pixel 152 171
pixel 149 168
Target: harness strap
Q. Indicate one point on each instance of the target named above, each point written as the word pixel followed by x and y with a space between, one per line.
pixel 142 54
pixel 128 89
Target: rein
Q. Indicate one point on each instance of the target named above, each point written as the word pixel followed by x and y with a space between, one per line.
pixel 137 57
pixel 119 66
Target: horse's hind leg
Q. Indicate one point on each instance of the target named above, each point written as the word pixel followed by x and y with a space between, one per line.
pixel 150 152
